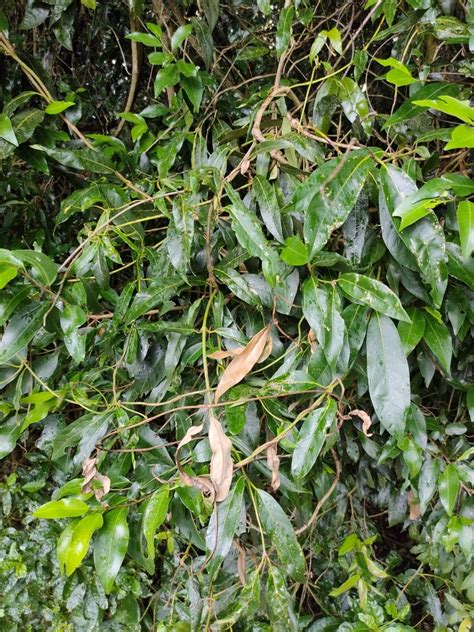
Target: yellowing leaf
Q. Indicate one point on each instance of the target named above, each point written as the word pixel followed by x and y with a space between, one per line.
pixel 241 366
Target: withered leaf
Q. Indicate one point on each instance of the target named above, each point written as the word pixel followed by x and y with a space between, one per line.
pixel 273 462
pixel 242 364
pixel 200 482
pixel 221 461
pixel 90 473
pixel 366 421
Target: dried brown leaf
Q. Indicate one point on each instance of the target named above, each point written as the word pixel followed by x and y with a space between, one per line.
pixel 200 482
pixel 366 421
pixel 221 461
pixel 90 473
pixel 241 365
pixel 415 509
pixel 273 462
pixel 241 562
pixel 222 355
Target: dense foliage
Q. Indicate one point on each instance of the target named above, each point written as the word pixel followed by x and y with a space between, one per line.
pixel 237 276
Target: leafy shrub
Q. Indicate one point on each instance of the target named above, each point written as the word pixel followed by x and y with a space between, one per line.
pixel 237 308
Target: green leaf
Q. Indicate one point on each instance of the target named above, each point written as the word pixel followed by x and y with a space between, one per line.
pixel 399 75
pixel 334 37
pixel 64 543
pixel 439 341
pixel 6 130
pixel 388 374
pixel 425 239
pixel 21 329
pixel 89 4
pixel 81 159
pixel 7 273
pixel 194 89
pixel 321 308
pixel 280 603
pixel 465 216
pixel 427 483
pixel 44 268
pixel 327 197
pixel 449 105
pixel 411 333
pixel 269 207
pixel 409 110
pixel 250 236
pixel 165 77
pixel 462 137
pixel 211 11
pixel 351 582
pixel 223 526
pixel 281 533
pixel 180 35
pixel 295 252
pixel 284 30
pixel 72 317
pixel 56 107
pixel 80 540
pixel 470 402
pixel 111 546
pixel 448 486
pixel 312 436
pixel 153 517
pixel 145 38
pixel 64 508
pixel 10 430
pixel 366 291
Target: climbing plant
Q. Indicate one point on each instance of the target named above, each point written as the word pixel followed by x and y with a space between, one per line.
pixel 237 276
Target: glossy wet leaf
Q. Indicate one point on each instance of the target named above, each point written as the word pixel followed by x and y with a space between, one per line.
pixel 438 339
pixel 411 332
pixel 388 374
pixel 280 533
pixel 321 308
pixel 21 329
pixel 312 437
pixel 153 517
pixel 111 546
pixel 425 239
pixel 327 197
pixel 465 215
pixel 64 508
pixel 375 294
pixel 78 545
pixel 448 486
pixel 223 526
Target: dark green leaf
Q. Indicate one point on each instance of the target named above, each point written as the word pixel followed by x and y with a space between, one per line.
pixel 366 291
pixel 311 439
pixel 388 374
pixel 280 531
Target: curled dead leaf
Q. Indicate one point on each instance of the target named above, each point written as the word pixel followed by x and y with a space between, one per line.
pixel 241 562
pixel 366 421
pixel 221 461
pixel 222 355
pixel 273 462
pixel 200 482
pixel 242 364
pixel 244 167
pixel 415 509
pixel 90 473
